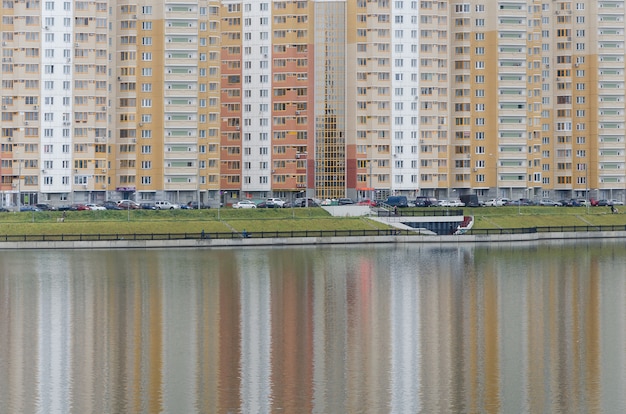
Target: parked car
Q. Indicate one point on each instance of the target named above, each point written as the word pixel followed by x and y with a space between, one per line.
pixel 302 202
pixel 128 205
pixel 456 203
pixel 367 202
pixel 470 200
pixel 423 201
pixel 29 208
pixel 193 205
pixel 616 202
pixel 244 204
pixel 267 204
pixel 345 201
pixel 495 202
pixel 581 202
pixel 4 210
pixel 165 205
pixel 397 201
pixel 110 205
pixel 548 202
pixel 147 206
pixel 45 207
pixel 91 206
pixel 275 202
pixel 78 207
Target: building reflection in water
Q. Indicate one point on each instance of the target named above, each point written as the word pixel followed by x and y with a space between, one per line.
pixel 513 328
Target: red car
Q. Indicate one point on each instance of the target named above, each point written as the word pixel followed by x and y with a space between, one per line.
pixel 79 207
pixel 367 202
pixel 128 205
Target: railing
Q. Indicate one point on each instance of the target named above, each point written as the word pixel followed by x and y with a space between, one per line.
pixel 549 229
pixel 420 213
pixel 203 235
pixel 290 234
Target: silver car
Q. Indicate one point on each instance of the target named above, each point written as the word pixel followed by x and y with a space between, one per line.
pixel 244 204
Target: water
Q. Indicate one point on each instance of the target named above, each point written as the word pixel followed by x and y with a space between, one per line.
pixel 360 329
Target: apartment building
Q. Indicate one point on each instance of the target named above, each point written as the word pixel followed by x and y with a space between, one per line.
pixel 54 101
pixel 221 100
pixel 382 98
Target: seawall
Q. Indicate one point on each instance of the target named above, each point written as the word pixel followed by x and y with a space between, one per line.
pixel 309 241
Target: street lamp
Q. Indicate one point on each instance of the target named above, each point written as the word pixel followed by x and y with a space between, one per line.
pixel 219 203
pixel 497 178
pixel 19 185
pixel 301 155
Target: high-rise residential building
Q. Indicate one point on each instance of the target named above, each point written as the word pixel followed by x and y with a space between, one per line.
pixel 227 99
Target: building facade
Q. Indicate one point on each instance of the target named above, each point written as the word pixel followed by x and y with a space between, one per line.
pixel 220 100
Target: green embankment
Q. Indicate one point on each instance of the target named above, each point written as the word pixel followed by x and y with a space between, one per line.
pixel 256 220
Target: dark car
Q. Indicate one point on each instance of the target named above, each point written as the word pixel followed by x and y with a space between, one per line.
pixel 267 204
pixel 300 202
pixel 29 208
pixel 345 201
pixel 193 205
pixel 111 205
pixel 470 200
pixel 423 201
pixel 397 201
pixel 146 206
pixel 45 207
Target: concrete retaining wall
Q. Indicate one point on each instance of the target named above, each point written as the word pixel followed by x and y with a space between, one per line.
pixel 308 241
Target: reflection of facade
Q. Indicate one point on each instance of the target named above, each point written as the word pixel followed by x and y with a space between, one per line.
pixel 291 319
pixel 370 329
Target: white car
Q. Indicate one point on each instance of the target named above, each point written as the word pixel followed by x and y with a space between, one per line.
pixel 165 205
pixel 616 203
pixel 244 204
pixel 443 203
pixel 275 201
pixel 456 203
pixel 494 202
pixel 94 207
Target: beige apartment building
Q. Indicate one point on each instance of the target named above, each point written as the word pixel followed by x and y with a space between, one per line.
pixel 221 100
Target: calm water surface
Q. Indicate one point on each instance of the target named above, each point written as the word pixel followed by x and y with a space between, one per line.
pixel 511 328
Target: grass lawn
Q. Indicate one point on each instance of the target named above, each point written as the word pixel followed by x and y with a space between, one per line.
pixel 257 220
pixel 178 221
pixel 514 217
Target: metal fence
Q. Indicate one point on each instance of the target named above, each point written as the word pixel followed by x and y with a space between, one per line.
pixel 203 235
pixel 549 229
pixel 419 213
pixel 290 234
